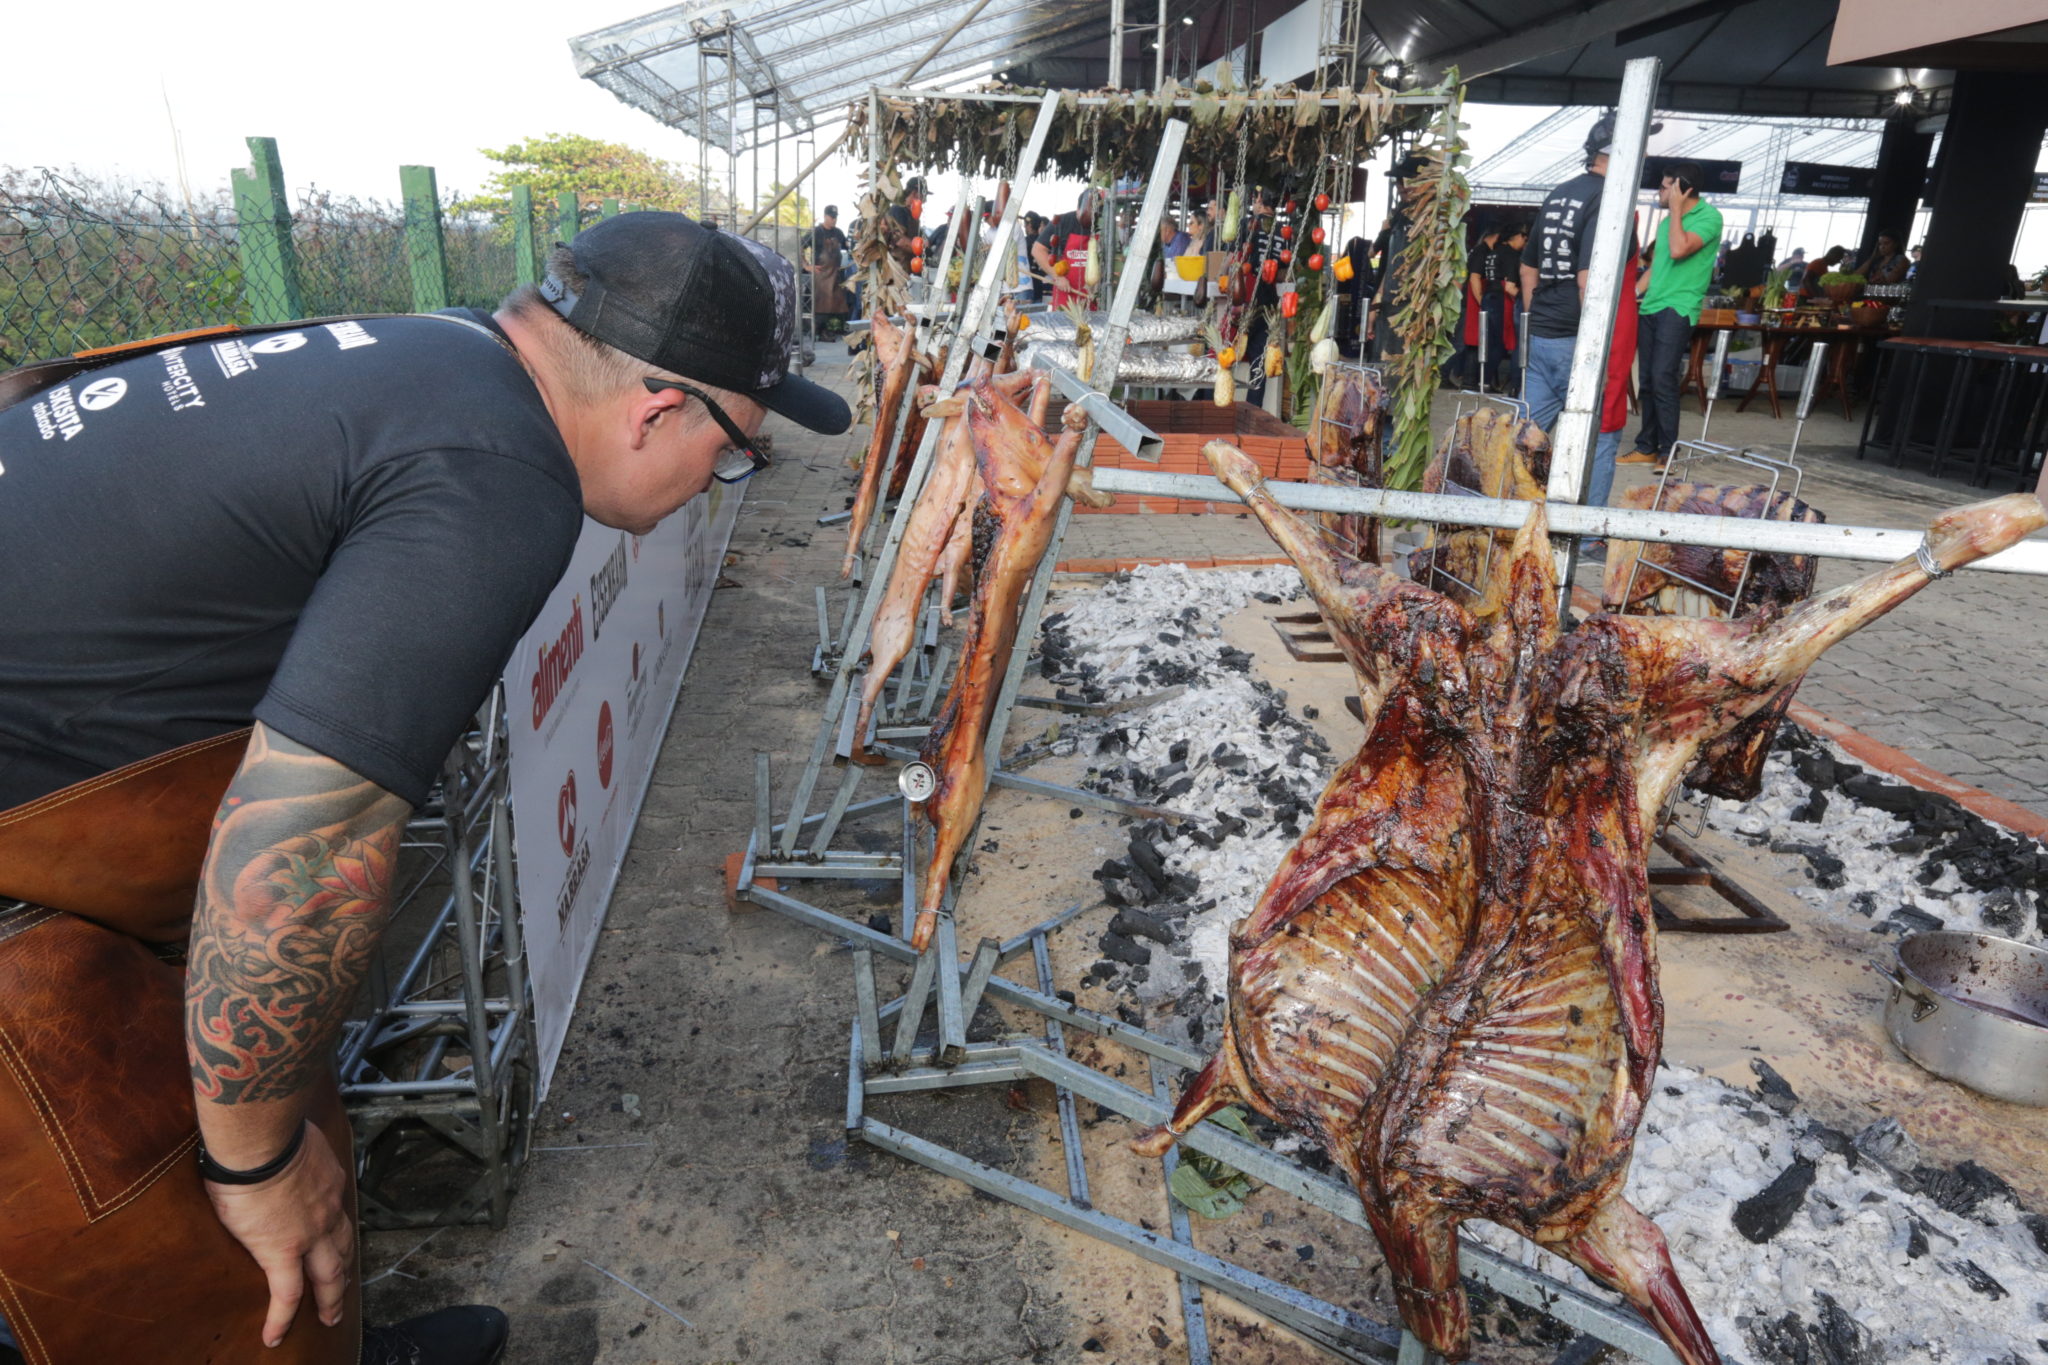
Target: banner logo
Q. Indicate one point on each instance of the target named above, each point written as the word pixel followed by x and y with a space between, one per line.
pixel 102 393
pixel 605 745
pixel 565 814
pixel 557 662
pixel 278 345
pixel 605 586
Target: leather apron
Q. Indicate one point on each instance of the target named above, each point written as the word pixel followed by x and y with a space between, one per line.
pixel 109 1248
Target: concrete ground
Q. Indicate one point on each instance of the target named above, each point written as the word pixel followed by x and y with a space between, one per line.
pixel 693 1145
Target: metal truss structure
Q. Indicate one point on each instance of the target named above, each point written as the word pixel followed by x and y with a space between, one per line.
pixel 438 1073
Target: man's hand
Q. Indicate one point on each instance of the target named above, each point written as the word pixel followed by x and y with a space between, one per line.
pixel 292 901
pixel 297 1226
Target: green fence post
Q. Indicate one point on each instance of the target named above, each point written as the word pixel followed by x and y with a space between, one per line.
pixel 270 267
pixel 525 264
pixel 425 253
pixel 568 217
pixel 611 208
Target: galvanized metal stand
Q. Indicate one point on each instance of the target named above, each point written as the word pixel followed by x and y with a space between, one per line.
pixel 438 1075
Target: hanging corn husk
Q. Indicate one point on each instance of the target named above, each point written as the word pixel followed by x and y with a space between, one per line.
pixel 1084 340
pixel 1427 301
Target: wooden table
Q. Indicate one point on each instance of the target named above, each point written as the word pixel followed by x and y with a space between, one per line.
pixel 2020 368
pixel 1844 341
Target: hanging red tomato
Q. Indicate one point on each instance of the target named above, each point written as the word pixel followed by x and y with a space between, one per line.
pixel 1269 271
pixel 917 246
pixel 1322 203
pixel 917 265
pixel 1316 235
pixel 1287 232
pixel 1290 304
pixel 1286 256
pixel 1291 206
pixel 1315 262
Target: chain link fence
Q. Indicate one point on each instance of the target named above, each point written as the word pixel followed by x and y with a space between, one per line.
pixel 85 264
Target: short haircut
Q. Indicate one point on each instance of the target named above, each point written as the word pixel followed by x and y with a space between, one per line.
pixel 1688 171
pixel 593 371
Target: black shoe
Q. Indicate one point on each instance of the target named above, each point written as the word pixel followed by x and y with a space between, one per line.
pixel 469 1335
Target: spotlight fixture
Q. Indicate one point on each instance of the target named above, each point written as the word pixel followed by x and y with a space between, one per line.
pixel 1903 96
pixel 1188 19
pixel 1391 71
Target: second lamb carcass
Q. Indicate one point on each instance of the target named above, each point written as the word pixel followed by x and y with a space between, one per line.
pixel 1450 983
pixel 1347 443
pixel 1661 579
pixel 1023 476
pixel 896 360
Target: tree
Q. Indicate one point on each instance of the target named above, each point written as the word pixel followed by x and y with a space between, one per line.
pixel 594 171
pixel 794 211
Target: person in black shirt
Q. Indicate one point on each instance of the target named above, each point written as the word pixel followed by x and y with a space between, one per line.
pixel 828 260
pixel 1262 241
pixel 1553 277
pixel 336 533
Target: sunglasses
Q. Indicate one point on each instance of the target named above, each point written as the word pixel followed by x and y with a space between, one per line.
pixel 737 461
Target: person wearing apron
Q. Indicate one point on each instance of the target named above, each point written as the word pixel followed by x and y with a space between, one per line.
pixel 1066 240
pixel 259 582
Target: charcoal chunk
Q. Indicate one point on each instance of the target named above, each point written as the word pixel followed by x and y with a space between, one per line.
pixel 1118 948
pixel 1961 1190
pixel 1772 1088
pixel 1890 797
pixel 1889 1145
pixel 1770 1210
pixel 1911 919
pixel 1134 923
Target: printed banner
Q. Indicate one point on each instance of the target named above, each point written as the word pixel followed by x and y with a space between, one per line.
pixel 589 691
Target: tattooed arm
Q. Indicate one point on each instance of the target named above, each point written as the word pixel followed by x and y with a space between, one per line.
pixel 292 901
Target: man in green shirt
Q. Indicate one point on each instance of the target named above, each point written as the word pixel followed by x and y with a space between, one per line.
pixel 1681 268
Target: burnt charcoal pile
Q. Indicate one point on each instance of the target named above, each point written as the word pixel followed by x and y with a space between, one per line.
pixel 1889 854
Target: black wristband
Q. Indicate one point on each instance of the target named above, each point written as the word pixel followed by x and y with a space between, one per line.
pixel 213 1171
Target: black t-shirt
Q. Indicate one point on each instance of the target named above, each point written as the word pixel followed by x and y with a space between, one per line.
pixel 824 239
pixel 1495 265
pixel 340 531
pixel 1559 247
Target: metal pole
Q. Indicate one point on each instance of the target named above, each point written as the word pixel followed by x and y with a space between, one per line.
pixel 1720 362
pixel 948 36
pixel 802 175
pixel 1815 359
pixel 1116 45
pixel 1578 426
pixel 1159 51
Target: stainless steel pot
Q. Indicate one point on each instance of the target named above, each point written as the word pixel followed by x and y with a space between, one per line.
pixel 1973 1008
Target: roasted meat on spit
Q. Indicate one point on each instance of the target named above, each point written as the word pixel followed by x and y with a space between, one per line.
pixel 1450 983
pixel 1348 433
pixel 897 360
pixel 1024 476
pixel 1491 454
pixel 942 505
pixel 1660 579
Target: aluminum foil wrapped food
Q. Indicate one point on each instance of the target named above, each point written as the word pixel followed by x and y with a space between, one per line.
pixel 1141 364
pixel 1146 330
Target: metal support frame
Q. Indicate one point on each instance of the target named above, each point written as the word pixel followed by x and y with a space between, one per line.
pixel 438 1074
pixel 911 1063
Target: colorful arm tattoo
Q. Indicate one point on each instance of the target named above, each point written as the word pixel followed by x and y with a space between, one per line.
pixel 292 902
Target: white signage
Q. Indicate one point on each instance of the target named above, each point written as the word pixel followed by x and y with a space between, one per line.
pixel 588 692
pixel 1291 45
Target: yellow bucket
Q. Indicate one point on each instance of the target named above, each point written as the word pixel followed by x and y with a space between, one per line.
pixel 1190 267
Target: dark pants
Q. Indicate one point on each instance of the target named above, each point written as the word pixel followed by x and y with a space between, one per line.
pixel 1255 348
pixel 1662 340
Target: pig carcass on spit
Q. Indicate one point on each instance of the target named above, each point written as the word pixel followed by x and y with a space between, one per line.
pixel 897 359
pixel 1660 579
pixel 1024 477
pixel 942 506
pixel 1450 983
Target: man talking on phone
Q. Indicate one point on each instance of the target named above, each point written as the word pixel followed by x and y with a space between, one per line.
pixel 1681 268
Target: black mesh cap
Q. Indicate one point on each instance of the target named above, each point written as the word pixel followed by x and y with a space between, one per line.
pixel 698 302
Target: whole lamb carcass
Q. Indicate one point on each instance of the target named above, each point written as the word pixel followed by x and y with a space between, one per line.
pixel 1450 983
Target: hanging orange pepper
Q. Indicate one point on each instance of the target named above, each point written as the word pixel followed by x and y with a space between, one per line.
pixel 1290 304
pixel 1344 270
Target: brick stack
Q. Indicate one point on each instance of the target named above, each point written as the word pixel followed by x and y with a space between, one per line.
pixel 1280 451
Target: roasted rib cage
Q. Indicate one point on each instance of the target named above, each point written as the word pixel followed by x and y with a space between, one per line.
pixel 1450 983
